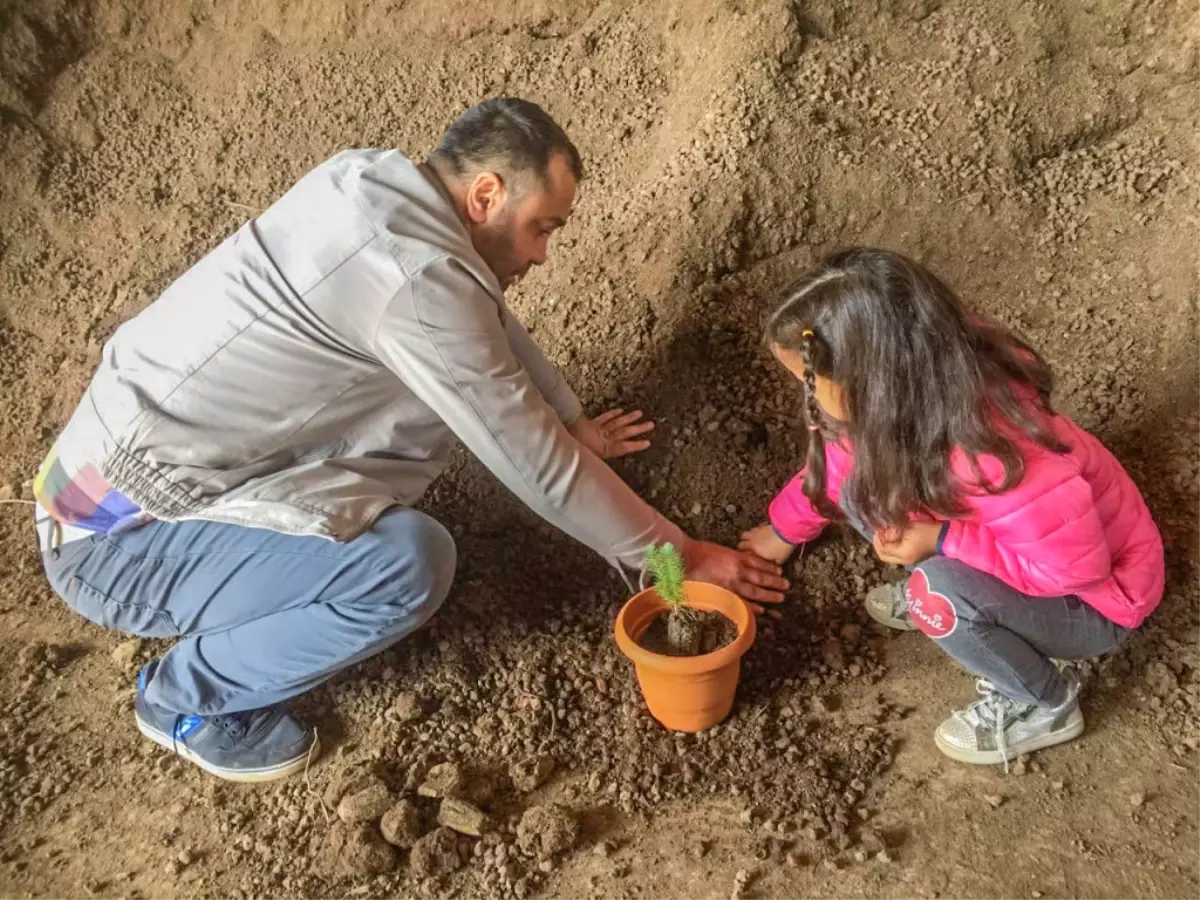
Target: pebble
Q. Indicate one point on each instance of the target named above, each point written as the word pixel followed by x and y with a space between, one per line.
pixel 1136 800
pixel 407 707
pixel 444 780
pixel 435 854
pixel 357 850
pixel 530 774
pixel 365 806
pixel 995 801
pixel 547 829
pixel 126 652
pixel 740 880
pixel 401 825
pixel 463 817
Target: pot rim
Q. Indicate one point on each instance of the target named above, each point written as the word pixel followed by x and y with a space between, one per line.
pixel 702 596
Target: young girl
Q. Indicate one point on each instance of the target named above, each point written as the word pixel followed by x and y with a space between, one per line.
pixel 932 433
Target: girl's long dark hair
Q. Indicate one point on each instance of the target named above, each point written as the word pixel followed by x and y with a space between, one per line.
pixel 919 379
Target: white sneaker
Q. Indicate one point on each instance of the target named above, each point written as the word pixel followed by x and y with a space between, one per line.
pixel 997 729
pixel 888 605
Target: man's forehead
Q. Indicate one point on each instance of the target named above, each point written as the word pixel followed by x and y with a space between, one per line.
pixel 553 198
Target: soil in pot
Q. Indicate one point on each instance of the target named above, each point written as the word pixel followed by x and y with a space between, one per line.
pixel 694 633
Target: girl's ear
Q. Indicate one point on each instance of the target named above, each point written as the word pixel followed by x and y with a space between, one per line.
pixel 790 360
pixel 832 398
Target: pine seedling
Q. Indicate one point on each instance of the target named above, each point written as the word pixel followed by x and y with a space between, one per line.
pixel 665 565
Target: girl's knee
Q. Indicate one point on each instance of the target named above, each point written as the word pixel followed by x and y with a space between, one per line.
pixel 936 602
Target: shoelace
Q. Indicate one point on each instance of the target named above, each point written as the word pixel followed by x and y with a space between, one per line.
pixel 994 710
pixel 236 725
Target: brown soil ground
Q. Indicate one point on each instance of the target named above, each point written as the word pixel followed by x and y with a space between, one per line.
pixel 1040 156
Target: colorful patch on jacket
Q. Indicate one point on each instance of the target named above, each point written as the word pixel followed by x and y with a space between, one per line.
pixel 83 498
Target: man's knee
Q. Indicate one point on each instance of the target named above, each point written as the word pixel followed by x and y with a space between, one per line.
pixel 937 602
pixel 438 559
pixel 418 559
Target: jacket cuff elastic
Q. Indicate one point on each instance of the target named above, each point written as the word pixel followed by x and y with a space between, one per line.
pixel 780 536
pixel 942 537
pixel 568 406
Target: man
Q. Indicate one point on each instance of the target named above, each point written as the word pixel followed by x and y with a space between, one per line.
pixel 242 470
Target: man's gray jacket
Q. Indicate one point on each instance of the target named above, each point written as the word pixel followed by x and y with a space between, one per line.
pixel 312 370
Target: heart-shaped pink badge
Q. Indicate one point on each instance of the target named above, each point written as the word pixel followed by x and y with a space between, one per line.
pixel 930 611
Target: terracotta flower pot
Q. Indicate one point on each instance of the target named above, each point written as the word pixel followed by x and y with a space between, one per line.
pixel 687 693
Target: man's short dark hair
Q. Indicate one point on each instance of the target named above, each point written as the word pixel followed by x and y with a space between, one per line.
pixel 509 136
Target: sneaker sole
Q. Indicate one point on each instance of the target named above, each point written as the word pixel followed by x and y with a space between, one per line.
pixel 995 757
pixel 889 621
pixel 269 773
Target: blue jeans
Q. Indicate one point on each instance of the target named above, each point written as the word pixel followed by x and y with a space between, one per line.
pixel 262 616
pixel 999 633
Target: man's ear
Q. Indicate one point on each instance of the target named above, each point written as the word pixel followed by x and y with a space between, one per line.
pixel 485 196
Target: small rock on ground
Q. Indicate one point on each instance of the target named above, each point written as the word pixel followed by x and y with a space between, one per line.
pixel 357 850
pixel 366 805
pixel 435 854
pixel 401 825
pixel 349 780
pixel 407 707
pixel 444 780
pixel 547 829
pixel 530 774
pixel 463 817
pixel 126 652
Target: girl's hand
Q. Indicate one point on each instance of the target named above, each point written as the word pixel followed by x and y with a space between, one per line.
pixel 763 541
pixel 907 546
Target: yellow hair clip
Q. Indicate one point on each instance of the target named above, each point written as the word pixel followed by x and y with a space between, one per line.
pixel 808 332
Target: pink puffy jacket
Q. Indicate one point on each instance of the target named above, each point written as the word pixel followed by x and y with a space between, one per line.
pixel 1076 524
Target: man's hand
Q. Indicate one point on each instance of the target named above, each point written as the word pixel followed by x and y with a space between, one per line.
pixel 745 574
pixel 763 541
pixel 611 434
pixel 907 546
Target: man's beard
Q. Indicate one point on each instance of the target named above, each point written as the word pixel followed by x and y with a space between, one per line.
pixel 495 245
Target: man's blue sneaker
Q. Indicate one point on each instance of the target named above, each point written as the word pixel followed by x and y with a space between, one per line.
pixel 258 745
